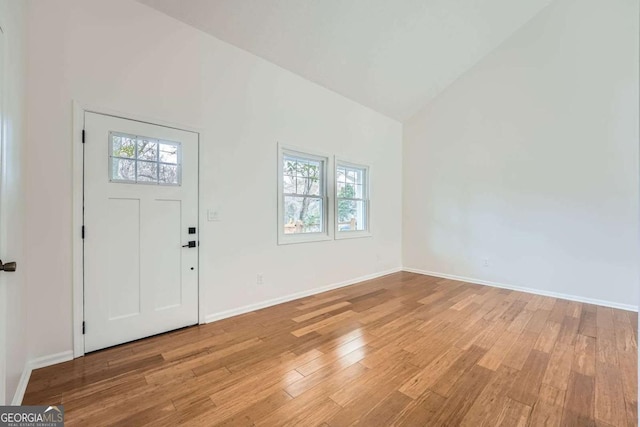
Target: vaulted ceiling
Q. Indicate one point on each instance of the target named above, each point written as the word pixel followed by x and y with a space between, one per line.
pixel 391 56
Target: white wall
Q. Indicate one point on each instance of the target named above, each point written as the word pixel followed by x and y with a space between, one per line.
pixel 531 160
pixel 124 56
pixel 13 310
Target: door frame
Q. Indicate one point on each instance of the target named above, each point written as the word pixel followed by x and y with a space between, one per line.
pixel 4 400
pixel 79 110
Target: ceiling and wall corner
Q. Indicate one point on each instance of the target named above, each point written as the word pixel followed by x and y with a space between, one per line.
pixel 525 171
pixel 393 57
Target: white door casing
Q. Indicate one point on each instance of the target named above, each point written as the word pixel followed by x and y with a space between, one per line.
pixel 138 279
pixel 3 290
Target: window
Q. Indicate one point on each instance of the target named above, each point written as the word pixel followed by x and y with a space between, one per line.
pixel 140 160
pixel 352 200
pixel 303 197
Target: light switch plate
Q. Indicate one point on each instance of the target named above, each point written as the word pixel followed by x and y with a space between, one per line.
pixel 213 215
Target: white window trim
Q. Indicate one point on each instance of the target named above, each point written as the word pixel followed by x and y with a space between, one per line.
pixel 340 235
pixel 327 186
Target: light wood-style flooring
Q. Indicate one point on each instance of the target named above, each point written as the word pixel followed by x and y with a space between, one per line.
pixel 404 349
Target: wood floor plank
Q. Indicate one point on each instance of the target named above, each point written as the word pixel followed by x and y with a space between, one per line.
pixel 519 352
pixel 366 398
pixel 328 321
pixel 320 311
pixel 464 394
pixel 258 410
pixel 235 399
pixel 538 321
pixel 548 335
pixel 401 350
pixel 421 411
pixel 429 375
pixel 322 375
pixel 514 414
pixel 458 369
pixel 386 412
pixel 584 355
pixel 326 359
pixel 559 366
pixel 371 380
pixel 579 401
pixel 316 414
pixel 312 302
pixel 568 330
pixel 609 396
pixel 487 408
pixel 628 363
pixel 606 348
pixel 494 357
pixel 319 392
pixel 588 324
pixel 626 338
pixel 548 409
pixel 527 384
pixel 632 414
pixel 558 311
pixel 604 318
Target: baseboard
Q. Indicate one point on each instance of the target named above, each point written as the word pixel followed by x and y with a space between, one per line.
pixel 628 307
pixel 275 301
pixel 37 363
pixel 22 385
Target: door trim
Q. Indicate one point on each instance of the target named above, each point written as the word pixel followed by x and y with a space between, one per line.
pixel 4 399
pixel 77 150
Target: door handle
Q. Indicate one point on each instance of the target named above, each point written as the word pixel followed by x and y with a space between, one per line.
pixel 191 244
pixel 10 266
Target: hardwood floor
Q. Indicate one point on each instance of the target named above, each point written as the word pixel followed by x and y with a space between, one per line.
pixel 404 349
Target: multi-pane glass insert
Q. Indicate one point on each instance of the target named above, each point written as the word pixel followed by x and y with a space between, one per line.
pixel 303 192
pixel 352 197
pixel 137 159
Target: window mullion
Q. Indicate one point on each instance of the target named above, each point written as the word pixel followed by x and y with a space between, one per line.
pixel 158 162
pixel 351 199
pixel 135 162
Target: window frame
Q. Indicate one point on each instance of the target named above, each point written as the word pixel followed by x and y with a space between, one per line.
pixel 326 188
pixel 366 193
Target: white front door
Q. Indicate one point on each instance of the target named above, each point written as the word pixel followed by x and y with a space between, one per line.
pixel 140 235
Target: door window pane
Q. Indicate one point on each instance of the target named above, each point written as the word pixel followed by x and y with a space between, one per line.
pixel 124 146
pixel 147 171
pixel 123 170
pixel 138 159
pixel 169 153
pixel 168 174
pixel 147 150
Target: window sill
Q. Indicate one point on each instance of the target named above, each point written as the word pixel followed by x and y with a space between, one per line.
pixel 291 239
pixel 342 235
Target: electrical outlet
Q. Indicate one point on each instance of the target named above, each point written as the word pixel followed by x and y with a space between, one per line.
pixel 259 279
pixel 485 262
